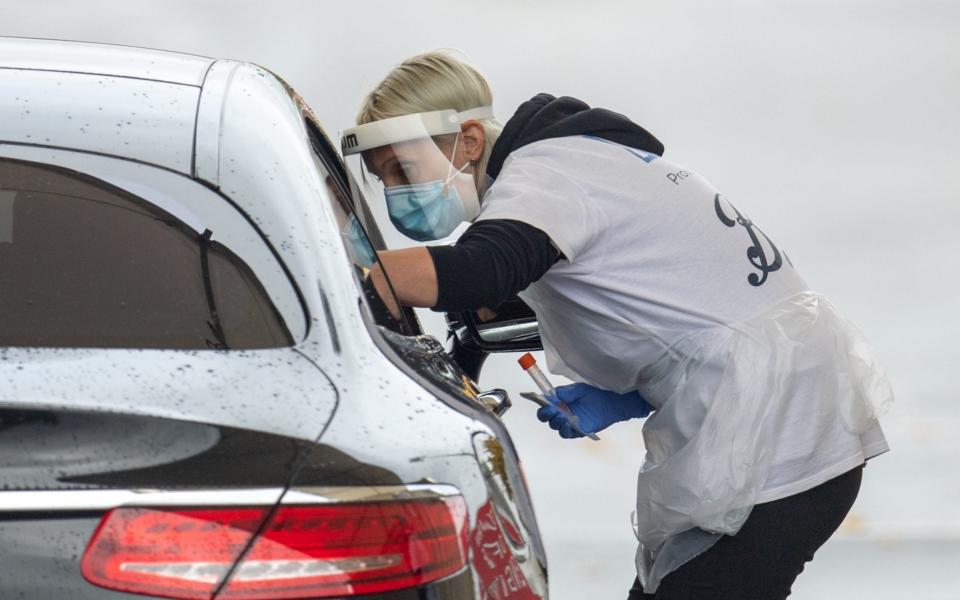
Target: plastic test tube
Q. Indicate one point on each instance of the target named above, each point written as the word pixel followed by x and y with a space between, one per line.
pixel 529 364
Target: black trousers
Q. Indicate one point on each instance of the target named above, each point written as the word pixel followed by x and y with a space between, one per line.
pixel 764 558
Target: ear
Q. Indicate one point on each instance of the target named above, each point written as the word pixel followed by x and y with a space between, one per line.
pixel 471 133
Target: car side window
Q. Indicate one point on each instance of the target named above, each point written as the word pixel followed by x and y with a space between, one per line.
pixel 86 264
pixel 359 233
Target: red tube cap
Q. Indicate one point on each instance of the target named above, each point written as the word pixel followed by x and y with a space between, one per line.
pixel 526 361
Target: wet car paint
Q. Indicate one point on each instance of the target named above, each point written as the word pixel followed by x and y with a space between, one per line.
pixel 57 451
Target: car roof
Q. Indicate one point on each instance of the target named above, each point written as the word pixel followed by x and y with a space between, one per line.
pixel 135 103
pixel 103 59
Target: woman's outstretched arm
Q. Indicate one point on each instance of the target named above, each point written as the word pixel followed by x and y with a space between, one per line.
pixel 489 264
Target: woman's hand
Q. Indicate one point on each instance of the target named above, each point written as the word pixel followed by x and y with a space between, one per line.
pixel 485 314
pixel 596 409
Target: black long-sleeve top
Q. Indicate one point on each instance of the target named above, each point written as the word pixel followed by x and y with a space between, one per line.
pixel 492 261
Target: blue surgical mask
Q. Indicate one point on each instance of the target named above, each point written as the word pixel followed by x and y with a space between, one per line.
pixel 424 211
pixel 362 250
pixel 430 210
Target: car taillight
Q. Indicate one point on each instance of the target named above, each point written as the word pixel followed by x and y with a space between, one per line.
pixel 303 552
pixel 348 549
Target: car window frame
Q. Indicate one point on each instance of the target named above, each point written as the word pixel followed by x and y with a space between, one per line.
pixel 321 147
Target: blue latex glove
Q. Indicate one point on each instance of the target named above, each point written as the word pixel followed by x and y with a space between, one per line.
pixel 597 409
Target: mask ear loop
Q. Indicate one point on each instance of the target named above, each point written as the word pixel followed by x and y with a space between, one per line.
pixel 446 182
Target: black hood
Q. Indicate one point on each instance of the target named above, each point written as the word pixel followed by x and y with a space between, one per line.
pixel 545 116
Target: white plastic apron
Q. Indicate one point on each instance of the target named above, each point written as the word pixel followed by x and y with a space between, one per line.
pixel 720 394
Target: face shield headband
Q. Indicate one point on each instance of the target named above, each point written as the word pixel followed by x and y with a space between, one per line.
pixel 426 194
pixel 407 127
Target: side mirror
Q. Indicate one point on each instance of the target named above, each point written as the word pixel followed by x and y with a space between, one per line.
pixel 513 328
pixel 496 401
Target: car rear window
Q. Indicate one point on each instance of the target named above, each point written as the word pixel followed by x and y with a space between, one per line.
pixel 86 264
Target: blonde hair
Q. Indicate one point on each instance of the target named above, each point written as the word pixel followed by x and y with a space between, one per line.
pixel 435 80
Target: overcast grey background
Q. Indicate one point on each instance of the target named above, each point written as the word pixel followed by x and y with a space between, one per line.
pixel 832 123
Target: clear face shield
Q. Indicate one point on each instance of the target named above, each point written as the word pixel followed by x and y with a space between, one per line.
pixel 409 161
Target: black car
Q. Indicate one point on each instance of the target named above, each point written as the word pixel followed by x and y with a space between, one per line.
pixel 200 397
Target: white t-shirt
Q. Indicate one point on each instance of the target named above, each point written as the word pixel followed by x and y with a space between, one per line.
pixel 669 290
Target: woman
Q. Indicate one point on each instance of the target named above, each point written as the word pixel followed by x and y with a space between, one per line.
pixel 653 292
